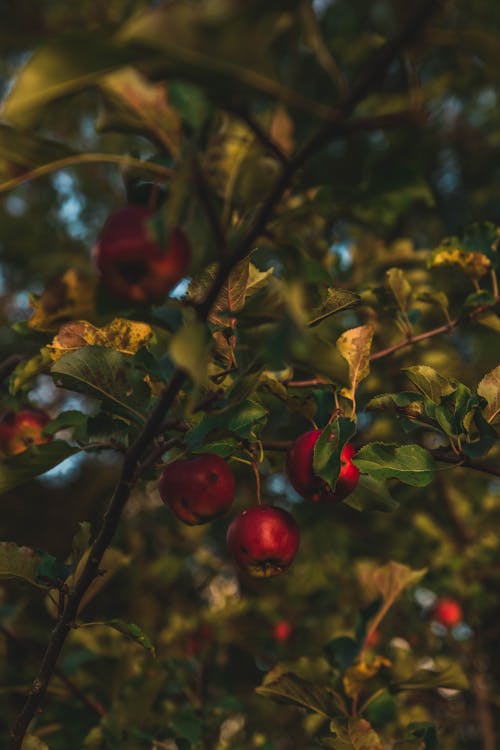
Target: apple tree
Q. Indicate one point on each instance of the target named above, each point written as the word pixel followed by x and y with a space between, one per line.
pixel 250 377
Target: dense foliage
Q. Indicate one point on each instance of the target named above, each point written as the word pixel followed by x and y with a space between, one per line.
pixel 321 180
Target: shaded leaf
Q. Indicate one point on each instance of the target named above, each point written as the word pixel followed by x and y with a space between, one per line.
pixel 328 447
pixel 353 734
pixel 29 369
pixel 76 420
pixel 358 674
pixel 410 464
pixel 81 542
pixel 341 651
pixel 107 375
pixel 371 495
pixel 429 382
pixel 399 286
pixel 112 561
pixel 451 676
pixel 489 388
pixel 32 462
pixel 22 152
pixel 131 631
pixel 354 345
pixel 336 301
pixel 189 349
pixel 38 568
pixel 70 296
pixel 290 688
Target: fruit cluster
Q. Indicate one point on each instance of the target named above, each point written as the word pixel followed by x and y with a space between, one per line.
pixel 22 429
pixel 264 539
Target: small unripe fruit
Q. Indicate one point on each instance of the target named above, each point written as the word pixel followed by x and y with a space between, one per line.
pixel 447 612
pixel 19 430
pixel 133 266
pixel 306 483
pixel 263 540
pixel 198 489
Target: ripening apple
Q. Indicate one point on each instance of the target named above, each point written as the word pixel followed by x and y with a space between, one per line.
pixel 282 631
pixel 263 540
pixel 19 430
pixel 198 489
pixel 133 265
pixel 447 612
pixel 301 473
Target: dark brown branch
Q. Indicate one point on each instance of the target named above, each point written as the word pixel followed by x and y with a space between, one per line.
pixel 470 463
pixel 374 72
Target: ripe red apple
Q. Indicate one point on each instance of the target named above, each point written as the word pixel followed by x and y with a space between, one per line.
pixel 282 631
pixel 133 266
pixel 19 430
pixel 198 489
pixel 447 611
pixel 263 540
pixel 306 483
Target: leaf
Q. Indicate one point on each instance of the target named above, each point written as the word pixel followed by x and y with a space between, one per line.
pixel 358 674
pixel 71 419
pixel 489 388
pixel 371 495
pixel 70 296
pixel 131 631
pixel 410 464
pixel 32 462
pixel 134 104
pixel 28 369
pixel 354 345
pixel 451 676
pixel 341 651
pixel 336 301
pixel 190 350
pixel 22 152
pixel 113 560
pixel 244 419
pixel 399 286
pixel 474 264
pixel 31 742
pixel 391 580
pixel 125 336
pixel 353 734
pixel 437 298
pixel 33 566
pixel 58 68
pixel 429 382
pixel 419 736
pixel 290 688
pixel 328 447
pixel 489 320
pixel 107 375
pixel 281 130
pixel 80 543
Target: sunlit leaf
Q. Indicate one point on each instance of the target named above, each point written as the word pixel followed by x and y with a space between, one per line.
pixel 190 350
pixel 429 382
pixel 450 676
pixel 126 336
pixel 335 301
pixel 489 388
pixel 399 286
pixel 70 296
pixel 354 345
pixel 410 464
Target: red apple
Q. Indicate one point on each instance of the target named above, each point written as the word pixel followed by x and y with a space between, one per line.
pixel 133 265
pixel 19 430
pixel 198 489
pixel 306 483
pixel 263 540
pixel 282 631
pixel 447 611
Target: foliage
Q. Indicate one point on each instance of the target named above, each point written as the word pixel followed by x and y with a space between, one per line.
pixel 333 166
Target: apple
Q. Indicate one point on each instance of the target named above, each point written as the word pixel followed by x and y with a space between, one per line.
pixel 133 265
pixel 19 430
pixel 282 631
pixel 306 483
pixel 263 540
pixel 198 489
pixel 447 612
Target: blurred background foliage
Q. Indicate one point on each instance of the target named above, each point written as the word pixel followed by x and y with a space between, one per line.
pixel 372 200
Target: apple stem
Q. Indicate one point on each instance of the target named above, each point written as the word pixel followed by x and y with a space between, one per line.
pixel 255 470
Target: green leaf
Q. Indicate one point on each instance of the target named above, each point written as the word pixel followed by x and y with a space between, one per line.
pixel 419 736
pixel 438 298
pixel 33 566
pixel 335 301
pixel 450 676
pixel 188 725
pixel 189 349
pixel 245 420
pixel 429 382
pixel 371 495
pixel 342 651
pixel 131 631
pixel 59 68
pixel 410 464
pixel 328 447
pixel 399 286
pixel 354 345
pixel 390 400
pixel 489 389
pixel 489 320
pixel 32 462
pixel 107 375
pixel 290 688
pixel 353 734
pixel 391 580
pixel 65 420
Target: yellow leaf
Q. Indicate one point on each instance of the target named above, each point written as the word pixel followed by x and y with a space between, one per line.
pixel 475 265
pixel 356 676
pixel 125 336
pixel 281 132
pixel 354 345
pixel 71 296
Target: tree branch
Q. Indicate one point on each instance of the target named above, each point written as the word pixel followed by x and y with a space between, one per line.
pixel 470 463
pixel 375 71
